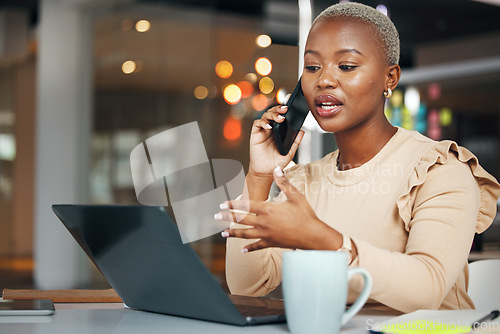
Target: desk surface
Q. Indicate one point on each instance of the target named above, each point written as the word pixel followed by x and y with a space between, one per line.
pixel 113 318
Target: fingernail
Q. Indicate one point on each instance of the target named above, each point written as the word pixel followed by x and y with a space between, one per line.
pixel 283 107
pixel 278 171
pixel 280 117
pixel 224 206
pixel 268 126
pixel 225 234
pixel 244 250
pixel 218 216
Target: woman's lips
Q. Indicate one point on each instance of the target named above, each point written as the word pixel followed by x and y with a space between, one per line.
pixel 327 105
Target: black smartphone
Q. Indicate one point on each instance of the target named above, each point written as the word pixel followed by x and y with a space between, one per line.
pixel 284 133
pixel 26 307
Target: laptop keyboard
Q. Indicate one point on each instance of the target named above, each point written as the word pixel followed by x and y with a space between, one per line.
pixel 257 311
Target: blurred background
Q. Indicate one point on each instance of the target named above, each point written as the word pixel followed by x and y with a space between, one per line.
pixel 82 82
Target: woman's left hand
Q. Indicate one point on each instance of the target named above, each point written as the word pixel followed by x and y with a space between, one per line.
pixel 288 224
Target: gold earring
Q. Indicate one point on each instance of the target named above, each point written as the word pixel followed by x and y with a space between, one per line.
pixel 388 93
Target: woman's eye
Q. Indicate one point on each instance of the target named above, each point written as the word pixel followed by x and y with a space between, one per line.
pixel 347 67
pixel 312 68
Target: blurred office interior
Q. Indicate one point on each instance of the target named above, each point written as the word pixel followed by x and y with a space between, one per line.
pixel 82 82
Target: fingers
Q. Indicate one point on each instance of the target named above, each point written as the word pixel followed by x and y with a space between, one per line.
pixel 296 143
pixel 246 233
pixel 285 186
pixel 273 114
pixel 237 216
pixel 261 244
pixel 242 206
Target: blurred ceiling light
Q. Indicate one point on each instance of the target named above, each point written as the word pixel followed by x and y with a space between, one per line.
pixel 238 111
pixel 246 88
pixel 251 77
pixel 383 9
pixel 127 24
pixel 412 100
pixel 282 96
pixel 259 102
pixel 142 25
pixel 129 66
pixel 224 69
pixel 263 41
pixel 201 92
pixel 445 116
pixel 212 91
pixel 266 85
pixel 434 91
pixel 232 94
pixel 263 66
pixel 7 147
pixel 232 128
pixel 396 100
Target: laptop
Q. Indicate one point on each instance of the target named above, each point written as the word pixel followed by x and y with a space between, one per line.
pixel 139 251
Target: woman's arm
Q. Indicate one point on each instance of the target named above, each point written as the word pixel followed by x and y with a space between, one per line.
pixel 445 211
pixel 253 266
pixel 441 230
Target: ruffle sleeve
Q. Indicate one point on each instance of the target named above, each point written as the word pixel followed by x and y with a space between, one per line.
pixel 440 153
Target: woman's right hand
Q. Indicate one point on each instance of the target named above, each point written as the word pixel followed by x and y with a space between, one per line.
pixel 264 155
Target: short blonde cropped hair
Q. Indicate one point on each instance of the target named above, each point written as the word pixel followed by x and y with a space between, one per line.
pixel 383 25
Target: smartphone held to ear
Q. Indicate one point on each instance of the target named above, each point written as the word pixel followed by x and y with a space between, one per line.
pixel 284 133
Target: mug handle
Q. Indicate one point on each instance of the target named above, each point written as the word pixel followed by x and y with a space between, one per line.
pixel 363 297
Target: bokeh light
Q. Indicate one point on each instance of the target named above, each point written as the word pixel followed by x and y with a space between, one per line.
pixel 383 9
pixel 142 25
pixel 266 85
pixel 201 92
pixel 239 111
pixel 282 96
pixel 434 130
pixel 232 128
pixel 263 41
pixel 259 102
pixel 263 66
pixel 232 94
pixel 434 91
pixel 127 24
pixel 445 117
pixel 224 69
pixel 129 66
pixel 212 91
pixel 246 88
pixel 412 100
pixel 251 77
pixel 396 99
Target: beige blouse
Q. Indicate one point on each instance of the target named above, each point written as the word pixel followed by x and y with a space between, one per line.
pixel 411 211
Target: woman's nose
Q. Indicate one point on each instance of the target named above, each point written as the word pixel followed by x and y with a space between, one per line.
pixel 327 79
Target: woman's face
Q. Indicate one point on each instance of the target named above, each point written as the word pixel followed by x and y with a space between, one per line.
pixel 345 74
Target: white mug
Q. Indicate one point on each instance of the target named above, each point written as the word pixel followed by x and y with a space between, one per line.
pixel 315 285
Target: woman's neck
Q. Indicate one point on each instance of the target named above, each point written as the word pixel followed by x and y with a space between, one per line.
pixel 359 145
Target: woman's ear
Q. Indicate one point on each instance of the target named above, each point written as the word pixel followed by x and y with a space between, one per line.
pixel 393 76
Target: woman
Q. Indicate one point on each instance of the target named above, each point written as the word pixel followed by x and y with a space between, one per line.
pixel 402 206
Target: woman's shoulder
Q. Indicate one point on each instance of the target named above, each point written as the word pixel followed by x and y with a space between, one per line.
pixel 451 163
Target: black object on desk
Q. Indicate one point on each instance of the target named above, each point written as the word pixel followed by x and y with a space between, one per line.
pixel 491 316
